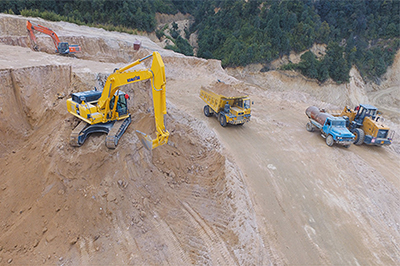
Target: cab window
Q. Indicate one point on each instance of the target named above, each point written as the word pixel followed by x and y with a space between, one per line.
pixel 239 103
pixel 247 104
pixel 112 102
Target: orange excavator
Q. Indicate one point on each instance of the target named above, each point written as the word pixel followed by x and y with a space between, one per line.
pixel 61 47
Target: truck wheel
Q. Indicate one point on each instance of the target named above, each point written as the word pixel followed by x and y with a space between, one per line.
pixel 207 111
pixel 309 127
pixel 359 139
pixel 222 120
pixel 329 140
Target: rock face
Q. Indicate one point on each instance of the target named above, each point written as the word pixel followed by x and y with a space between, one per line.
pixel 27 95
pixel 266 193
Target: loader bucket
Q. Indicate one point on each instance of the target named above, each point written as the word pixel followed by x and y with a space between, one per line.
pixel 145 139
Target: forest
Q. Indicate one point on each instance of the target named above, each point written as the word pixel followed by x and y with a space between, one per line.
pixel 363 33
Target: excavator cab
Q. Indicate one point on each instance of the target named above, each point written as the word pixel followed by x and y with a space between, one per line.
pixel 122 105
pixel 63 48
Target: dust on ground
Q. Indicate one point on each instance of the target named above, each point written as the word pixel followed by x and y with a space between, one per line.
pixel 266 193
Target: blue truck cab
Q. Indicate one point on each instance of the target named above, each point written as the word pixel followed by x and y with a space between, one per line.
pixel 336 128
pixel 332 128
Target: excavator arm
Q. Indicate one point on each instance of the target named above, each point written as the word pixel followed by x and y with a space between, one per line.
pixel 121 77
pixel 32 36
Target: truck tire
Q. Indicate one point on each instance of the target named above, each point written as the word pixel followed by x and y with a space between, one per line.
pixel 222 120
pixel 309 127
pixel 207 111
pixel 359 139
pixel 329 140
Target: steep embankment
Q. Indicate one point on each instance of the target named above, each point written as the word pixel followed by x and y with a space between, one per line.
pixel 97 44
pixel 28 96
pixel 182 204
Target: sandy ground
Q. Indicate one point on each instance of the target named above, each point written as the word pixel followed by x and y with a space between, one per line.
pixel 266 193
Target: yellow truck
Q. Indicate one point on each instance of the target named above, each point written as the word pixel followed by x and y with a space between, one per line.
pixel 229 110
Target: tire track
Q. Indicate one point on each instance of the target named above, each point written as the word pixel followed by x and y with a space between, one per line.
pixel 177 255
pixel 213 241
pixel 376 99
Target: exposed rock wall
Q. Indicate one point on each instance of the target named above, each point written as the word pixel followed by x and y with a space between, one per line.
pixel 27 96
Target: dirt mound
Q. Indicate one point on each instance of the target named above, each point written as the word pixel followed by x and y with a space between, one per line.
pixel 185 203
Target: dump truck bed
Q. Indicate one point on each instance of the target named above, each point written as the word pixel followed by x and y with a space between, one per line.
pixel 218 101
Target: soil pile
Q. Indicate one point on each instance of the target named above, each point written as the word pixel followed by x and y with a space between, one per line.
pixel 183 204
pixel 227 90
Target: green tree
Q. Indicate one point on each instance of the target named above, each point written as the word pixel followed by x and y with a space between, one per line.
pixel 308 65
pixel 338 68
pixel 323 70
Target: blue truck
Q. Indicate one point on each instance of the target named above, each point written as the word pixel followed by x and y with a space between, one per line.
pixel 333 129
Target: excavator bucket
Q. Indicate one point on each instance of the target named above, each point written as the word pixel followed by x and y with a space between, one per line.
pixel 145 139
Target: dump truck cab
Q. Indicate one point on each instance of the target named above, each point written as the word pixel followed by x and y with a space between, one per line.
pixel 237 111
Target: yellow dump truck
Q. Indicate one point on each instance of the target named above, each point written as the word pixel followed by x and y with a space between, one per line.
pixel 229 110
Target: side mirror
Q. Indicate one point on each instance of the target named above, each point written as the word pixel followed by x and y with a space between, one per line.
pixel 252 102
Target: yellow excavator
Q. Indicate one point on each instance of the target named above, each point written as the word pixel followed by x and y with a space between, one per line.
pixel 106 111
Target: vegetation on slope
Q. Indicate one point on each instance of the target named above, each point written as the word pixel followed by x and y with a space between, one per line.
pixel 360 32
pixel 363 33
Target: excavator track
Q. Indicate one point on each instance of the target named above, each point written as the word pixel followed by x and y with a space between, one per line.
pixel 75 139
pixel 116 132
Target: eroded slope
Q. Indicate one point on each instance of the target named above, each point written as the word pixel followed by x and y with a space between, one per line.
pixel 184 203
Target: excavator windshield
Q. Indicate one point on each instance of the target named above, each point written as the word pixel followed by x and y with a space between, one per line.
pixel 122 106
pixel 63 48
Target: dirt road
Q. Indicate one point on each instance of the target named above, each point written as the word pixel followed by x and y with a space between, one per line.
pixel 314 204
